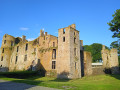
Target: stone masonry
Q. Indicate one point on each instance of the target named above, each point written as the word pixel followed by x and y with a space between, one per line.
pixel 63 55
pixel 60 55
pixel 110 60
pixel 87 63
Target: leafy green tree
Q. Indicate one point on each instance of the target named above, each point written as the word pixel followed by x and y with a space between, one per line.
pixel 115 28
pixel 115 24
pixel 95 50
pixel 115 45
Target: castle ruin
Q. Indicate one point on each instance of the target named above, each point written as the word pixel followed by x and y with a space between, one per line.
pixel 63 55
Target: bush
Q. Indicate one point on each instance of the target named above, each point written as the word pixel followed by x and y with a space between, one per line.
pixel 19 74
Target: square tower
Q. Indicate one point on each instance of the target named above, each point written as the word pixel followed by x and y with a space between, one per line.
pixel 68 63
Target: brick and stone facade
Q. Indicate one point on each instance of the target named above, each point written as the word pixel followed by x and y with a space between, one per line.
pixel 63 55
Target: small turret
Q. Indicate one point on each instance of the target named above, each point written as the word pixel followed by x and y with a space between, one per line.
pixel 41 33
pixel 23 38
pixel 73 26
pixel 103 47
pixel 6 47
pixel 45 33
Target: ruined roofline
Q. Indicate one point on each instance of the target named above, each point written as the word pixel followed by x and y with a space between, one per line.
pixel 70 27
pixel 42 33
pixel 53 35
pixel 9 35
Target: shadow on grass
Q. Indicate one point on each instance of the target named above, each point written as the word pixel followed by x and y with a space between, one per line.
pixel 117 76
pixel 60 80
pixel 8 85
pixel 113 72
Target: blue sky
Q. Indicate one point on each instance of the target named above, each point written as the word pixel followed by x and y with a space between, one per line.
pixel 27 17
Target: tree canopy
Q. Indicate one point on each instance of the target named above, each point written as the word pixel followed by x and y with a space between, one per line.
pixel 115 28
pixel 115 45
pixel 115 24
pixel 95 50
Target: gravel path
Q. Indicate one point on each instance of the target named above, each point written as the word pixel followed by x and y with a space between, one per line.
pixel 8 85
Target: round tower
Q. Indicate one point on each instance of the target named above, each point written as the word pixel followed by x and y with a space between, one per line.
pixel 6 48
pixel 8 41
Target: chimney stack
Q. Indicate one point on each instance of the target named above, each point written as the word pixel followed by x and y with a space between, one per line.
pixel 41 33
pixel 23 38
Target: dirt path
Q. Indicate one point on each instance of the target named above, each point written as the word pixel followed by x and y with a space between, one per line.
pixel 8 85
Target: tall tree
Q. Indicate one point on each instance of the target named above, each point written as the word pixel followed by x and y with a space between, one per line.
pixel 115 28
pixel 115 45
pixel 95 50
pixel 115 24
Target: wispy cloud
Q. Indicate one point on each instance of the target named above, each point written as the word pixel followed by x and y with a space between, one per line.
pixel 56 32
pixel 30 39
pixel 24 28
pixel 38 34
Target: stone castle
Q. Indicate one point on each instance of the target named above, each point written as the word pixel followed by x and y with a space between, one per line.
pixel 63 55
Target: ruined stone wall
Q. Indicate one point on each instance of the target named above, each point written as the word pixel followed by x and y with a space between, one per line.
pixel 37 56
pixel 21 54
pixel 68 64
pixel 110 60
pixel 46 50
pixel 75 69
pixel 63 63
pixel 87 63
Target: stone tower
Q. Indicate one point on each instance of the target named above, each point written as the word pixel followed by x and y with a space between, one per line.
pixel 6 48
pixel 68 62
pixel 110 60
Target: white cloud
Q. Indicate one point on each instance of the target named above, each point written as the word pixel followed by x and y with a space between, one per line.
pixel 30 39
pixel 56 32
pixel 24 28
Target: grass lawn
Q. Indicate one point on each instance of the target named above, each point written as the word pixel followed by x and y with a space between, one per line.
pixel 99 82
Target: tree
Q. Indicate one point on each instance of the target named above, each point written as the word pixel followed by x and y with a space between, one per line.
pixel 115 28
pixel 115 24
pixel 116 45
pixel 95 50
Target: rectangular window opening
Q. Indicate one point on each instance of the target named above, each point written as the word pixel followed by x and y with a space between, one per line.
pixel 26 48
pixel 2 58
pixel 75 65
pixel 44 37
pixel 74 40
pixel 25 58
pixel 53 64
pixel 54 54
pixel 34 49
pixel 11 43
pixel 17 48
pixel 63 39
pixel 63 31
pixel 74 33
pixel 75 51
pixel 4 41
pixel 3 50
pixel 53 44
pixel 16 60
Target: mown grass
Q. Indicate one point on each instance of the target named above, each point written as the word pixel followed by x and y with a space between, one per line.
pixel 99 82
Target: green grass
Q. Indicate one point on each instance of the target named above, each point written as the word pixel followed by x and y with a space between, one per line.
pixel 99 82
